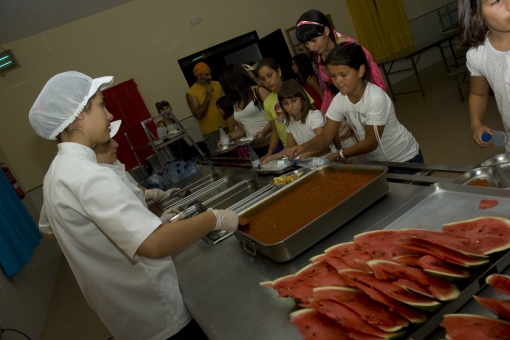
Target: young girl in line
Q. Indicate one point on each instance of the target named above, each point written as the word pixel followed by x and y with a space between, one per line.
pixel 368 110
pixel 271 75
pixel 247 98
pixel 302 123
pixel 314 29
pixel 302 67
pixel 226 109
pixel 484 28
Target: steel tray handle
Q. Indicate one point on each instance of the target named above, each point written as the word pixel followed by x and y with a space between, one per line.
pixel 249 246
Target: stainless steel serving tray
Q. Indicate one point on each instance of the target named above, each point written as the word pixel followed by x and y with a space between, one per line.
pixel 275 171
pixel 236 194
pixel 443 203
pixel 188 190
pixel 496 160
pixel 492 175
pixel 205 194
pixel 324 224
pixel 226 148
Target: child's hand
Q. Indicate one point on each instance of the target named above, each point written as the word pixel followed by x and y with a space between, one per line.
pixel 477 136
pixel 265 159
pixel 259 137
pixel 294 151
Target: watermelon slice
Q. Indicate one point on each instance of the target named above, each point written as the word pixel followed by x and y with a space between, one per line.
pixel 487 204
pixel 441 289
pixel 361 336
pixel 380 244
pixel 410 260
pixel 390 290
pixel 318 258
pixel 373 312
pixel 475 327
pixel 313 325
pixel 289 286
pixel 500 283
pixel 456 243
pixel 352 254
pixel 499 307
pixel 412 314
pixel 320 274
pixel 446 254
pixel 413 287
pixel 442 269
pixel 335 262
pixel 350 320
pixel 487 234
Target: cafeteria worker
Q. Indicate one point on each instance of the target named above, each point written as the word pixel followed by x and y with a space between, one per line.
pixel 118 251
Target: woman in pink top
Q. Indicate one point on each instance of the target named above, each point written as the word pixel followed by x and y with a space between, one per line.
pixel 314 29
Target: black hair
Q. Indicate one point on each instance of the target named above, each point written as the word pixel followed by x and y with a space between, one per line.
pixel 269 62
pixel 226 105
pixel 237 84
pixel 350 54
pixel 292 89
pixel 307 32
pixel 472 29
pixel 304 66
pixel 160 105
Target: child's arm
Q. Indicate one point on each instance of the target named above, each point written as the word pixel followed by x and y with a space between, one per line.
pixel 231 123
pixel 290 143
pixel 274 141
pixel 366 145
pixel 314 84
pixel 478 97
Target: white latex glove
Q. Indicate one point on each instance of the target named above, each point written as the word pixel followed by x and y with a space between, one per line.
pixel 169 214
pixel 225 220
pixel 159 194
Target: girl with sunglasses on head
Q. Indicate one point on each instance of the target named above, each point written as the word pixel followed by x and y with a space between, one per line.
pixel 314 29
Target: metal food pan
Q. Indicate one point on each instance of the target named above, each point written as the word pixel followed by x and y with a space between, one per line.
pixel 443 203
pixel 496 160
pixel 272 172
pixel 492 175
pixel 324 224
pixel 236 194
pixel 226 148
pixel 190 189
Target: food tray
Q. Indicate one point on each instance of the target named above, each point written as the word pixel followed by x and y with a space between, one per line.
pixel 277 171
pixel 244 141
pixel 492 175
pixel 324 224
pixel 443 203
pixel 226 148
pixel 496 160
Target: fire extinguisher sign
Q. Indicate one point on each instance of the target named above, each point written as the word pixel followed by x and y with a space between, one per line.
pixel 13 181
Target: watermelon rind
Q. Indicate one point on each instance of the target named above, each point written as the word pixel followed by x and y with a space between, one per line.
pixel 505 289
pixel 447 276
pixel 502 219
pixel 416 292
pixel 428 306
pixel 317 258
pixel 452 295
pixel 466 326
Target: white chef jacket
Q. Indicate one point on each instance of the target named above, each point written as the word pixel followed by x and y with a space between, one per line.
pixel 120 170
pixel 99 224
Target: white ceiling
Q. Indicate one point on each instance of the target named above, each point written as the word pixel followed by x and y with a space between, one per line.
pixel 23 18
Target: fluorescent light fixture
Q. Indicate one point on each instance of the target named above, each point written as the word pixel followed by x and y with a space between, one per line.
pixel 8 62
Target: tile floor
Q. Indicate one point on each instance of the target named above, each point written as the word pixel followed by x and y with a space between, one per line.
pixel 440 123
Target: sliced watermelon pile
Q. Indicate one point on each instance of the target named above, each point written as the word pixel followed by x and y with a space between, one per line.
pixel 500 283
pixel 486 234
pixel 374 287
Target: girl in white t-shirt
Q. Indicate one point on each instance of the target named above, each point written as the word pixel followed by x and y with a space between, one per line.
pixel 368 110
pixel 484 29
pixel 302 123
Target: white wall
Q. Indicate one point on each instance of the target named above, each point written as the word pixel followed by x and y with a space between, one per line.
pixel 142 39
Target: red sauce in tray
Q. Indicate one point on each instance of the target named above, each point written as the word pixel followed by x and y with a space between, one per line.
pixel 298 208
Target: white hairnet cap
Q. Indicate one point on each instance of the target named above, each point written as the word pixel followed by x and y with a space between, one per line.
pixel 114 127
pixel 61 100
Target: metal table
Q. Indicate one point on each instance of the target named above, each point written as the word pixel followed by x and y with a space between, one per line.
pixel 410 53
pixel 220 283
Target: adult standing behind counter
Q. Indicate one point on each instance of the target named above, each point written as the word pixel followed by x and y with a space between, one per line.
pixel 202 97
pixel 118 251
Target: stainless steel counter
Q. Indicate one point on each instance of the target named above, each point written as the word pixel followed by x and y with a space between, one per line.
pixel 220 283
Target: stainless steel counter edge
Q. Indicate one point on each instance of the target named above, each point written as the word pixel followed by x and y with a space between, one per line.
pixel 220 283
